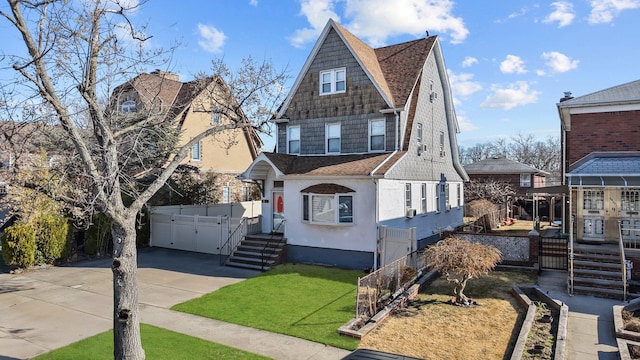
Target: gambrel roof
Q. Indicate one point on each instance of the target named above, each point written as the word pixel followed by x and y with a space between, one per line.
pixel 394 70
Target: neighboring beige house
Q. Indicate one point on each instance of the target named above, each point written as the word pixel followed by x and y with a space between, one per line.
pixel 195 106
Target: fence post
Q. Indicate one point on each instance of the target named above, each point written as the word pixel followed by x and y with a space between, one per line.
pixel 534 248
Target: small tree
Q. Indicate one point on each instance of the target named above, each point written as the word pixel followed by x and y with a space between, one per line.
pixel 460 260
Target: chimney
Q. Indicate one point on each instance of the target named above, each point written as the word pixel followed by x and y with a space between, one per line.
pixel 166 75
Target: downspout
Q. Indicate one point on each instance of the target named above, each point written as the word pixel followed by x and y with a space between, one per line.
pixel 377 220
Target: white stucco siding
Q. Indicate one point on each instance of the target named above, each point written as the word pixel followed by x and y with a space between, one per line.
pixel 361 235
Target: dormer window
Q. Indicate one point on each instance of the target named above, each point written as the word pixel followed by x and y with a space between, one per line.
pixel 128 106
pixel 333 81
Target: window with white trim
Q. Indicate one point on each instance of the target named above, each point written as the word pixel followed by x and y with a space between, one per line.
pixel 446 197
pixel 333 137
pixel 441 144
pixel 407 195
pixel 525 180
pixel 215 117
pixel 196 151
pixel 128 106
pixel 245 193
pixel 226 195
pixel 593 200
pixel 437 192
pixel 293 140
pixel 327 208
pixel 419 132
pixel 630 200
pixel 377 135
pixel 333 81
pixel 423 198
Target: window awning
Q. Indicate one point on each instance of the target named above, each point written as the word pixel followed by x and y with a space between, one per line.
pixel 586 180
pixel 327 189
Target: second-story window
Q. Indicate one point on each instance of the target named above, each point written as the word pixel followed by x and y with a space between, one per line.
pixel 293 140
pixel 333 81
pixel 215 117
pixel 525 180
pixel 419 132
pixel 376 135
pixel 129 106
pixel 441 144
pixel 333 138
pixel 196 154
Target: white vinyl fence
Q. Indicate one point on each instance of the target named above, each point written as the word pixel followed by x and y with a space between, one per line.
pixel 199 228
pixel 396 243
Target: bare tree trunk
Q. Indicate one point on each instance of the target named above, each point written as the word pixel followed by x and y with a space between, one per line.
pixel 126 322
pixel 461 298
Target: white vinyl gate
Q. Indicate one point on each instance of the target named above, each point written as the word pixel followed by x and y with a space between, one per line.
pixel 205 234
pixel 396 243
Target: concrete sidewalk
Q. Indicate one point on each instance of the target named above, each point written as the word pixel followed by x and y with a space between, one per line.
pixel 46 309
pixel 590 329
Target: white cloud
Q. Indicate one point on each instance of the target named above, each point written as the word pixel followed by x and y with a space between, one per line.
pixel 523 11
pixel 563 14
pixel 253 2
pixel 462 84
pixel 559 62
pixel 603 11
pixel 400 17
pixel 211 39
pixel 125 34
pixel 464 123
pixel 468 61
pixel 317 12
pixel 508 97
pixel 513 65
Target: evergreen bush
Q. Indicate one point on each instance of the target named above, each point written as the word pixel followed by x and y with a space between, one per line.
pixel 19 245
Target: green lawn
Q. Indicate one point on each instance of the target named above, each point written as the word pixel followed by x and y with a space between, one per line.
pixel 157 343
pixel 305 301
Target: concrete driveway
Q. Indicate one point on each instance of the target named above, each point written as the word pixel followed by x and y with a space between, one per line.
pixel 44 309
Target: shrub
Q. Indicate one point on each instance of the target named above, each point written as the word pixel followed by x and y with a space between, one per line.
pixel 98 236
pixel 52 237
pixel 19 245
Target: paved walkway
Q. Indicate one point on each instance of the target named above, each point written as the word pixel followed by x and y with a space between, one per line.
pixel 50 308
pixel 590 329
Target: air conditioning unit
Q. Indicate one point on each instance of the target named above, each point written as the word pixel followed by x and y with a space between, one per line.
pixel 421 148
pixel 411 213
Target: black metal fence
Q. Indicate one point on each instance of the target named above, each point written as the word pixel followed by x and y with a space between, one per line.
pixel 554 253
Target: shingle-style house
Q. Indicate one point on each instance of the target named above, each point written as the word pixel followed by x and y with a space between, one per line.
pixel 520 176
pixel 365 138
pixel 195 106
pixel 601 168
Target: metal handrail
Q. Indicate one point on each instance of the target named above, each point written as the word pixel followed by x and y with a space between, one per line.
pixel 267 245
pixel 233 241
pixel 623 262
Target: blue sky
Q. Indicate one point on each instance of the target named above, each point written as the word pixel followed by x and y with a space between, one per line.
pixel 509 62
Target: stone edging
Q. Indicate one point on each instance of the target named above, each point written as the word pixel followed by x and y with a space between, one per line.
pixel 561 336
pixel 625 337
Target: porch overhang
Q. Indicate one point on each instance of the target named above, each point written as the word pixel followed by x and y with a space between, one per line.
pixel 551 190
pixel 598 180
pixel 260 168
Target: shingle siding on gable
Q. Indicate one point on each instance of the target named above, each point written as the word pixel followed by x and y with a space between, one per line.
pixel 429 165
pixel 352 109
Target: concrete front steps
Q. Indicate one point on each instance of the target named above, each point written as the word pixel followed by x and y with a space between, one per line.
pixel 597 271
pixel 259 252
